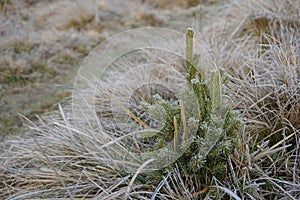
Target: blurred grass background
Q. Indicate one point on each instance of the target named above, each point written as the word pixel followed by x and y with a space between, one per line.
pixel 43 43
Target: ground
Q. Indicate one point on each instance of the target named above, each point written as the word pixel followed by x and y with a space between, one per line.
pixel 43 43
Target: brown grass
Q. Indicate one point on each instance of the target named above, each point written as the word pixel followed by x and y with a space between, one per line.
pixel 258 43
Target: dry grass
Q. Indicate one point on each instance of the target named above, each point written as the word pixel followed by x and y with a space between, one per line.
pixel 258 43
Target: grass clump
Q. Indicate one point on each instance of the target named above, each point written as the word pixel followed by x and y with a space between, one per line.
pixel 101 175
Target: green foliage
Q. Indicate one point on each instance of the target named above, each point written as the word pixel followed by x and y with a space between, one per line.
pixel 166 110
pixel 207 151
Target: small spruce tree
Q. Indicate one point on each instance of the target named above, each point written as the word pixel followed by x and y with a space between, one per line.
pixel 206 151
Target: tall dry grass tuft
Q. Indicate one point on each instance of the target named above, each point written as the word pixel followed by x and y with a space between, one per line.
pixel 258 43
pixel 260 47
pixel 264 64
